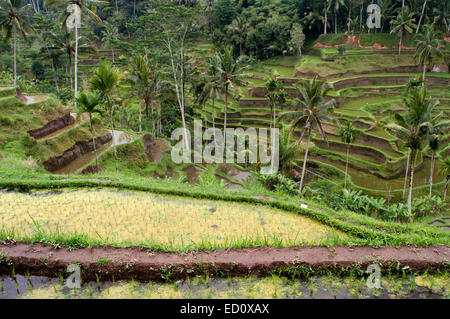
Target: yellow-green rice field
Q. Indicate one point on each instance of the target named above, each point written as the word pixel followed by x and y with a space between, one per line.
pixel 126 218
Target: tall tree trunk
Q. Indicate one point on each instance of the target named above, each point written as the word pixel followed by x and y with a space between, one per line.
pixel 93 139
pixel 112 51
pixel 349 17
pixel 424 72
pixel 346 168
pixel 421 16
pixel 403 4
pixel 406 173
pixel 113 135
pixel 431 173
pixel 76 63
pixel 134 9
pixel 445 189
pixel 117 7
pixel 140 117
pixel 335 23
pixel 411 180
pixel 304 161
pixel 273 140
pixel 225 117
pixel 15 56
pixel 360 17
pixel 400 45
pixel 214 122
pixel 153 119
pixel 326 17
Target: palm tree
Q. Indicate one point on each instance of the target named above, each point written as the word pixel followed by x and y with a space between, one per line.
pixel 89 103
pixel 145 79
pixel 13 21
pixel 325 17
pixel 70 10
pixel 427 49
pixel 288 150
pixel 434 147
pixel 231 74
pixel 110 34
pixel 414 128
pixel 241 26
pixel 402 25
pixel 62 43
pixel 212 88
pixel 105 81
pixel 311 111
pixel 445 171
pixel 336 5
pixel 348 133
pixel 275 94
pixel 421 16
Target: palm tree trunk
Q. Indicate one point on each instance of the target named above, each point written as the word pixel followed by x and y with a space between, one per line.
pixel 346 168
pixel 403 4
pixel 431 173
pixel 326 18
pixel 117 7
pixel 421 16
pixel 153 119
pixel 225 117
pixel 15 55
pixel 140 117
pixel 214 122
pixel 112 51
pixel 335 22
pixel 411 180
pixel 273 140
pixel 424 72
pixel 360 17
pixel 400 45
pixel 304 162
pixel 93 139
pixel 112 133
pixel 445 189
pixel 407 171
pixel 76 63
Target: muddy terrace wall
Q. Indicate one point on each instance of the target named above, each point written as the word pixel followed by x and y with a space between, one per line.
pixel 393 80
pixel 52 126
pixel 398 69
pixel 71 154
pixel 377 156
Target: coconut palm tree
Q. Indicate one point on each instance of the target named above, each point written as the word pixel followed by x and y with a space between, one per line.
pixel 445 171
pixel 421 16
pixel 212 89
pixel 348 133
pixel 427 49
pixel 231 74
pixel 240 26
pixel 288 150
pixel 311 110
pixel 403 24
pixel 70 11
pixel 63 44
pixel 325 16
pixel 90 103
pixel 275 94
pixel 13 21
pixel 105 81
pixel 335 5
pixel 434 147
pixel 144 78
pixel 110 34
pixel 414 128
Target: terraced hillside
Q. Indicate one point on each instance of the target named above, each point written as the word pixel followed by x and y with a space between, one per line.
pixel 369 94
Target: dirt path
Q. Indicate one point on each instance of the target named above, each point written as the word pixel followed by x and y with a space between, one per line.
pixel 142 264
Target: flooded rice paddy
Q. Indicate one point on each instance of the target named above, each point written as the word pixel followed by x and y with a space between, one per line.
pixel 325 287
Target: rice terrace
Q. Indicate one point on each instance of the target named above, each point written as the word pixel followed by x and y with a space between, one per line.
pixel 98 99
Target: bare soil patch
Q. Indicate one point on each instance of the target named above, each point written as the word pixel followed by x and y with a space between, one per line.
pixel 142 264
